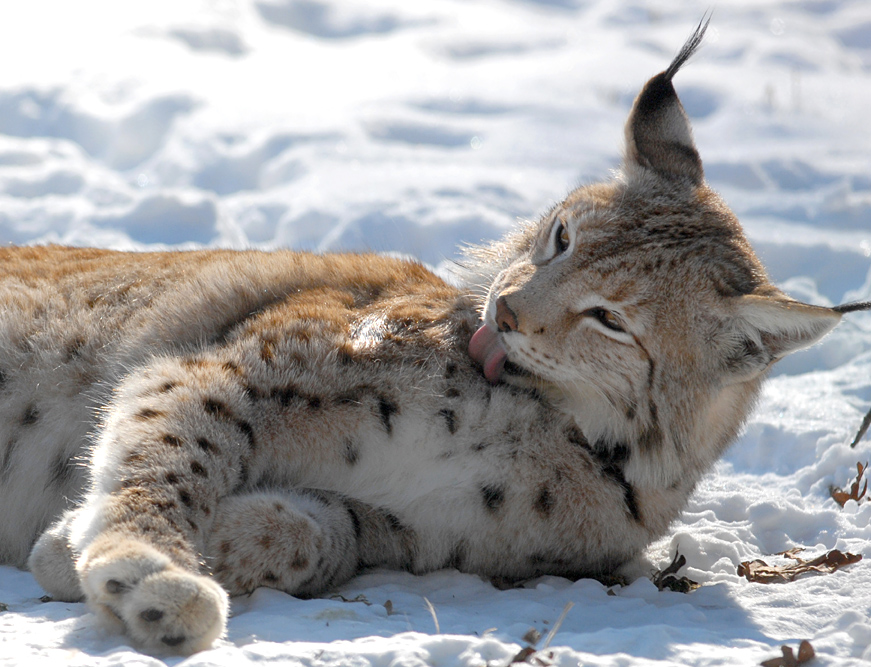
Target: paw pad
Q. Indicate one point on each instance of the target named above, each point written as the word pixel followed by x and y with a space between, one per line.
pixel 173 641
pixel 151 616
pixel 113 587
pixel 160 606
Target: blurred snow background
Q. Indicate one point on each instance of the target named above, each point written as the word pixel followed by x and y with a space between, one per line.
pixel 412 127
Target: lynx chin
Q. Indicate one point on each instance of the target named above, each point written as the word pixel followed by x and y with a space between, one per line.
pixel 181 427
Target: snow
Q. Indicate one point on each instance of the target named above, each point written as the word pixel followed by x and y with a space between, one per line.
pixel 412 127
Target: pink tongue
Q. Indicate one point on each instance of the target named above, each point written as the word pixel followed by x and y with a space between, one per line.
pixel 486 348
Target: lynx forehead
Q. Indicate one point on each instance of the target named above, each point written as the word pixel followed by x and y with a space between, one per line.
pixel 180 427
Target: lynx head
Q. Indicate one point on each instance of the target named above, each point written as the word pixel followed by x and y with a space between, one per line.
pixel 639 307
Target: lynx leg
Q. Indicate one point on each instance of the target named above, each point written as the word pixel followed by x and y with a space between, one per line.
pixel 174 442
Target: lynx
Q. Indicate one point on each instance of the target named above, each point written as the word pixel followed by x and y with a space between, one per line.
pixel 182 427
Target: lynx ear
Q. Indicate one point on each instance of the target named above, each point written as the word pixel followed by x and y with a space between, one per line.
pixel 658 133
pixel 770 327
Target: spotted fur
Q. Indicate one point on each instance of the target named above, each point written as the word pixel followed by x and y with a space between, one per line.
pixel 182 426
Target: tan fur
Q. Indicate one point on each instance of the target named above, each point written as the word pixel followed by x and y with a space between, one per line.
pixel 285 419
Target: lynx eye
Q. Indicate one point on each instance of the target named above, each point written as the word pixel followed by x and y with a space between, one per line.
pixel 606 318
pixel 561 237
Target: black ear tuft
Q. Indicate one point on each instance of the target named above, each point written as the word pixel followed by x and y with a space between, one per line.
pixel 658 134
pixel 852 307
pixel 688 49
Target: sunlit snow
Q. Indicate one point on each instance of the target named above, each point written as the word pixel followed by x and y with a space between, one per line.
pixel 413 126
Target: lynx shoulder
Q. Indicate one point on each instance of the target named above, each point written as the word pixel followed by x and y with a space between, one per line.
pixel 180 427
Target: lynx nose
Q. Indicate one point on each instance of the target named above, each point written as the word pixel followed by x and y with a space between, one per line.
pixel 506 320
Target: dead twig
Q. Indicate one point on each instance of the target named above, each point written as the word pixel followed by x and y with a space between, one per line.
pixel 863 429
pixel 359 598
pixel 530 654
pixel 435 619
pixel 556 626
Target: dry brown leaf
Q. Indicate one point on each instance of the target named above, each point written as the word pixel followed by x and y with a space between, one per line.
pixel 530 656
pixel 532 636
pixel 788 659
pixel 523 655
pixel 805 651
pixel 759 571
pixel 667 577
pixel 841 497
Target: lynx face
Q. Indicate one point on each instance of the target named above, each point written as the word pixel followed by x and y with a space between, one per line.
pixel 640 307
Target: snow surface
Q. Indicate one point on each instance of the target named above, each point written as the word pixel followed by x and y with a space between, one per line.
pixel 412 126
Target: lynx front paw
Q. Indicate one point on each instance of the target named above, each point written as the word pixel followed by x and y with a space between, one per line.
pixel 296 541
pixel 160 606
pixel 53 562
